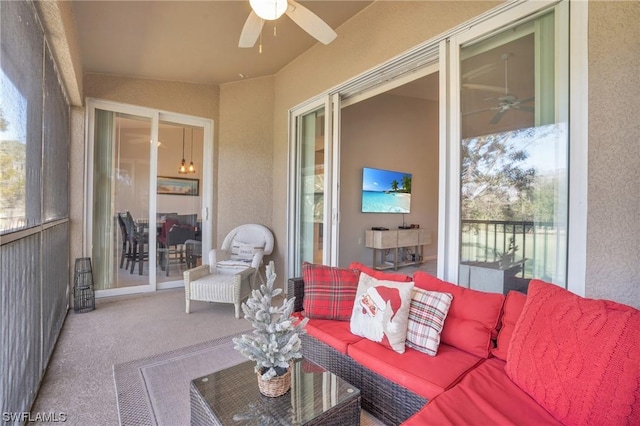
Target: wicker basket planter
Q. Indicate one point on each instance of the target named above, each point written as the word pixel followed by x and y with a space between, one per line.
pixel 276 386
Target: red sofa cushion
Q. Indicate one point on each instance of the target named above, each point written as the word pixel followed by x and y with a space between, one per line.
pixel 485 396
pixel 579 358
pixel 424 375
pixel 380 275
pixel 513 305
pixel 473 317
pixel 334 333
pixel 329 293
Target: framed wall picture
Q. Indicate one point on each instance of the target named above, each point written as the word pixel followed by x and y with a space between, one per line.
pixel 178 186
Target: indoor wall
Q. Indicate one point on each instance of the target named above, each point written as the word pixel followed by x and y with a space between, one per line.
pixel 389 132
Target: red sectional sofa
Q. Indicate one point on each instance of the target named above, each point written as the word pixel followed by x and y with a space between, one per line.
pixel 549 358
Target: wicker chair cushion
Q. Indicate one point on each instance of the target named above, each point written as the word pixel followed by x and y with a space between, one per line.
pixel 427 314
pixel 473 317
pixel 381 311
pixel 513 305
pixel 329 292
pixel 427 376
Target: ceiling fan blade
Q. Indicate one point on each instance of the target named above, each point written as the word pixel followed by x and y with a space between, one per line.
pixel 477 111
pixel 525 100
pixel 251 30
pixel 526 108
pixel 485 87
pixel 310 22
pixel 498 116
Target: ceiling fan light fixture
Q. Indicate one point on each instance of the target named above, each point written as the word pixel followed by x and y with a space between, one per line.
pixel 269 10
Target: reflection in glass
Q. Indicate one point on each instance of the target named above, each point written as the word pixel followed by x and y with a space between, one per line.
pixel 310 190
pixel 514 163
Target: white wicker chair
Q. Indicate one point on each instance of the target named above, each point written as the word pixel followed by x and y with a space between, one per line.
pixel 201 284
pixel 244 247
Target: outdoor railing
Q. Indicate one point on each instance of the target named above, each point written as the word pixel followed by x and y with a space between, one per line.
pixel 537 244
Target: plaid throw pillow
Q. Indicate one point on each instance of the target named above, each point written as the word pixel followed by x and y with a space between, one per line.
pixel 427 313
pixel 329 293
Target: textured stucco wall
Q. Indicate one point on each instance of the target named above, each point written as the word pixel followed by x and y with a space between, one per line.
pixel 613 238
pixel 76 187
pixel 379 33
pixel 200 100
pixel 245 154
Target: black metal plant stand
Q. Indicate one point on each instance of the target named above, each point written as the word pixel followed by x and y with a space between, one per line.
pixel 84 298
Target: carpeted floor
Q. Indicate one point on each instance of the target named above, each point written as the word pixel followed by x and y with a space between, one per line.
pixel 155 390
pixel 79 380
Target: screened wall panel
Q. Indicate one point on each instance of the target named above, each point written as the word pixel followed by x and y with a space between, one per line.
pixel 21 106
pixel 34 182
pixel 55 171
pixel 21 345
pixel 55 288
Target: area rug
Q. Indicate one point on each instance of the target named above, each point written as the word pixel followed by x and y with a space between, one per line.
pixel 155 390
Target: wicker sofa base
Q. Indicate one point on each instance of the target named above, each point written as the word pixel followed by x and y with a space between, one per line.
pixel 386 400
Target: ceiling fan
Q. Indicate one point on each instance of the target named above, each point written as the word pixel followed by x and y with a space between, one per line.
pixel 273 9
pixel 506 101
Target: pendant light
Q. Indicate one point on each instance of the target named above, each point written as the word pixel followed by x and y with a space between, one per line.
pixel 192 169
pixel 183 168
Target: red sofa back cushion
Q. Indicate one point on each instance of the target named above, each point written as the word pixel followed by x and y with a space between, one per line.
pixel 579 358
pixel 380 275
pixel 329 293
pixel 512 309
pixel 473 317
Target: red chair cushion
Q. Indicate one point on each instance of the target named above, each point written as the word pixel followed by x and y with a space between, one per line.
pixel 334 333
pixel 329 293
pixel 513 305
pixel 579 358
pixel 424 375
pixel 165 230
pixel 485 396
pixel 473 317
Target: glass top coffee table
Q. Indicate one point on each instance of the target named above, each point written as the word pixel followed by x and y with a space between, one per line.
pixel 231 397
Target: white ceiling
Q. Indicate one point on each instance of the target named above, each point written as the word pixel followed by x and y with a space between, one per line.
pixel 191 41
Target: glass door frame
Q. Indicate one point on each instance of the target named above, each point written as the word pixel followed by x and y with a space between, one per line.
pixel 449 224
pixel 446 47
pixel 331 106
pixel 155 116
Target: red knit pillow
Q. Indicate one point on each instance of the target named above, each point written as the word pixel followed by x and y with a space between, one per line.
pixel 329 293
pixel 513 305
pixel 473 317
pixel 579 358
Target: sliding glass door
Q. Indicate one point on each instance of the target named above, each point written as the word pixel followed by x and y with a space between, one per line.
pixel 147 216
pixel 308 215
pixel 514 161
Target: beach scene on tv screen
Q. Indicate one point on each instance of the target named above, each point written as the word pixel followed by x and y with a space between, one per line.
pixel 385 191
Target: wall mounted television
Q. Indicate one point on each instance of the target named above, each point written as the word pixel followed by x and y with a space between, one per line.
pixel 385 191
